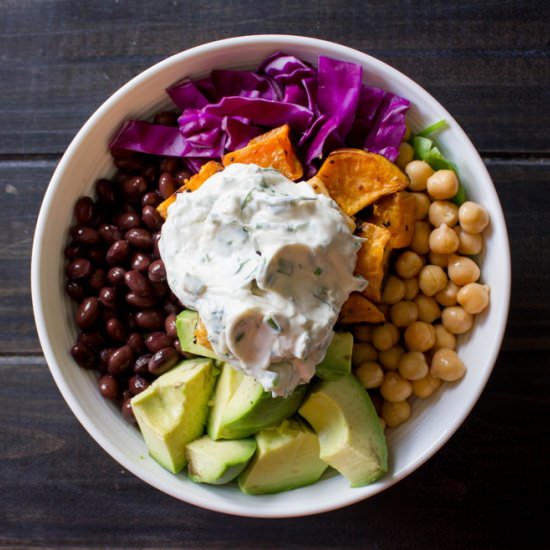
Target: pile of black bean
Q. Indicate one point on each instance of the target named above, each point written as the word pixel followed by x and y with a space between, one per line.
pixel 125 311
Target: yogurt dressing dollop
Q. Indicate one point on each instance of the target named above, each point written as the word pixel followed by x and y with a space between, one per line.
pixel 267 263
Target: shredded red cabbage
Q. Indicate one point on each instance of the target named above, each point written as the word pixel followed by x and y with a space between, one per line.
pixel 326 107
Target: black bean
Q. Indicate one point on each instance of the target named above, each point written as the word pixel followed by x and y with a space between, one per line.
pixel 84 210
pixel 156 250
pixel 170 308
pixel 181 176
pixel 79 268
pixel 127 411
pixel 150 173
pixel 109 233
pixel 139 238
pixel 115 275
pixel 152 198
pixel 167 185
pixel 98 279
pixel 106 193
pixel 156 271
pixel 91 339
pixel 157 340
pixel 108 386
pixel 151 218
pixel 104 356
pixel 170 325
pixel 88 312
pixel 138 283
pixel 121 360
pixel 118 252
pixel 108 296
pixel 126 394
pixel 161 289
pixel 141 302
pixel 74 250
pixel 163 360
pixel 133 188
pixel 116 330
pixel 135 341
pixel 149 319
pixel 97 255
pixel 128 220
pixel 136 384
pixel 177 346
pixel 75 290
pixel 141 364
pixel 84 356
pixel 140 261
pixel 86 235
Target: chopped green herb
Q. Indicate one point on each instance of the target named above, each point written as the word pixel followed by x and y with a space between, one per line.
pixel 433 128
pixel 247 199
pixel 273 324
pixel 318 271
pixel 241 265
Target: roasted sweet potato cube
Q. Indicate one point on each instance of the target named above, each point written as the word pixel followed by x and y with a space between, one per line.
pixel 358 309
pixel 191 184
pixel 372 258
pixel 396 213
pixel 270 150
pixel 355 178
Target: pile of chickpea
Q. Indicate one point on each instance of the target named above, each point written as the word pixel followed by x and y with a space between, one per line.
pixel 430 296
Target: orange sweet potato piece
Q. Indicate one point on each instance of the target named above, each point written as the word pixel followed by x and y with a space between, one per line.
pixel 372 258
pixel 356 178
pixel 358 309
pixel 396 213
pixel 270 150
pixel 201 335
pixel 191 184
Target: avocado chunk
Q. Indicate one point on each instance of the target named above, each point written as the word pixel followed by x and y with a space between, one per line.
pixel 337 360
pixel 186 322
pixel 287 457
pixel 350 434
pixel 172 411
pixel 218 462
pixel 242 407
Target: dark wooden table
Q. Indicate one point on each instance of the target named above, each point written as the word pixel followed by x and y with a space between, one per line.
pixel 488 63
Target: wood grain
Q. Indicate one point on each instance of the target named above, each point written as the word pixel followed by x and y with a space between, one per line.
pixel 62 59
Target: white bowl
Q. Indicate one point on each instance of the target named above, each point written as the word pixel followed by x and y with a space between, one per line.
pixel 433 421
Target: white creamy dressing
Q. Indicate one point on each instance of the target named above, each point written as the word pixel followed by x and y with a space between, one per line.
pixel 267 263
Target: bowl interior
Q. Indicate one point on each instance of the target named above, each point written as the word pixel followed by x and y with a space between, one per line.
pixel 433 421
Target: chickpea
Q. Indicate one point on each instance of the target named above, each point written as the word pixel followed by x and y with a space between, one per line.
pixel 473 297
pixel 385 336
pixel 447 365
pixel 421 238
pixel 428 308
pixel 443 240
pixel 412 365
pixel 411 288
pixel 442 184
pixel 447 296
pixel 363 352
pixel 406 154
pixel 443 212
pixel 462 270
pixel 470 243
pixel 395 387
pixel 439 259
pixel 404 313
pixel 419 336
pixel 362 333
pixel 422 205
pixel 393 291
pixel 443 338
pixel 418 171
pixel 425 386
pixel 456 320
pixel 408 264
pixel 370 374
pixel 473 217
pixel 394 414
pixel 432 279
pixel 389 358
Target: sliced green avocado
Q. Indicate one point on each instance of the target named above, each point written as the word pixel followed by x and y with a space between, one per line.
pixel 350 434
pixel 186 322
pixel 287 457
pixel 172 411
pixel 242 407
pixel 218 462
pixel 337 361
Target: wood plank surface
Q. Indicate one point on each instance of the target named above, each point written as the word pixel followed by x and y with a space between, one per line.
pixel 480 491
pixel 519 183
pixel 62 59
